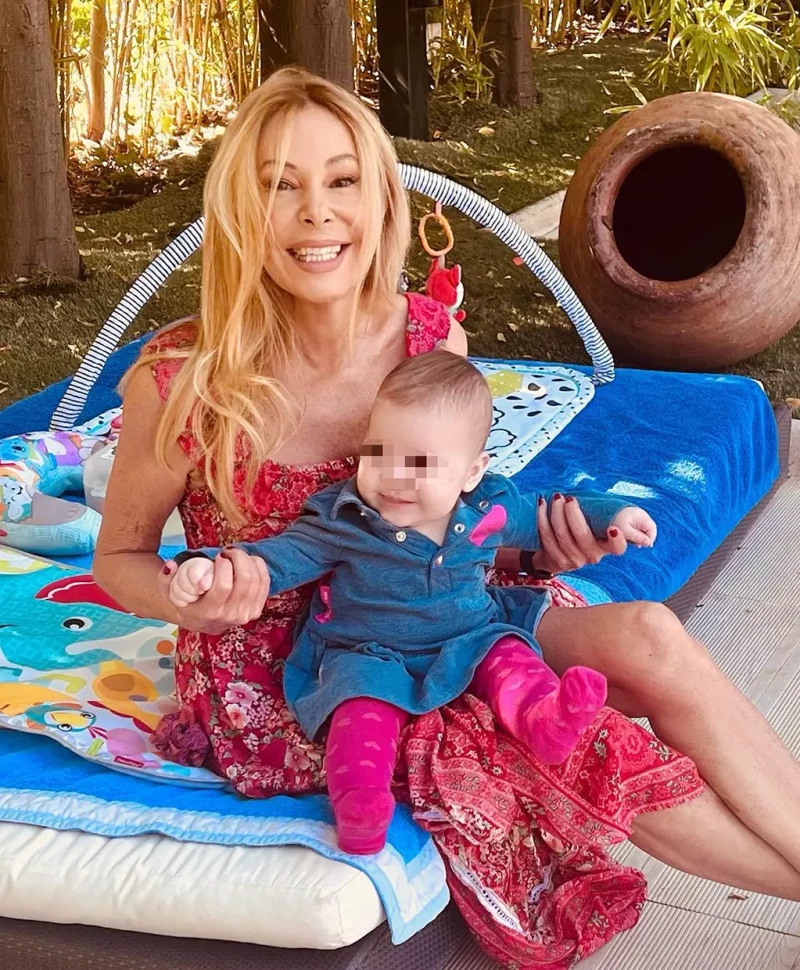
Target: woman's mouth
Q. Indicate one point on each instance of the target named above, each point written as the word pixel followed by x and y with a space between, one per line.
pixel 319 258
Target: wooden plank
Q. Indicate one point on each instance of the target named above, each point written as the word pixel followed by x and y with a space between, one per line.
pixel 670 939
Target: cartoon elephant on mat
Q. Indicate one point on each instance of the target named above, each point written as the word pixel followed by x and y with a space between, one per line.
pixel 53 627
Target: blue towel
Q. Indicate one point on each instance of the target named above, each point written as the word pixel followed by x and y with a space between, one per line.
pixel 43 784
pixel 697 451
pixel 34 413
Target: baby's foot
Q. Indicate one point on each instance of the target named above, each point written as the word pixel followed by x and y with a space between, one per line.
pixel 362 820
pixel 553 724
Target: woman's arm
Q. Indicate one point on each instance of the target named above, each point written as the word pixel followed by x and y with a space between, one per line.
pixel 141 495
pixel 456 341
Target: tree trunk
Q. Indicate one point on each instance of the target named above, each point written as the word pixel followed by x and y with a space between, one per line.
pixel 315 34
pixel 96 124
pixel 36 229
pixel 507 27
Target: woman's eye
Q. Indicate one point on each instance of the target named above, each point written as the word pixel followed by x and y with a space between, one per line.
pixel 372 451
pixel 416 461
pixel 344 182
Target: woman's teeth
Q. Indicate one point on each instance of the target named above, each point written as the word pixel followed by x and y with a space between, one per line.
pixel 322 255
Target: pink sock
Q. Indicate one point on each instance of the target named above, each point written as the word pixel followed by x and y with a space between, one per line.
pixel 547 714
pixel 359 760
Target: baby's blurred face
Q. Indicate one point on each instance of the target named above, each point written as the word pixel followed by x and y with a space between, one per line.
pixel 415 463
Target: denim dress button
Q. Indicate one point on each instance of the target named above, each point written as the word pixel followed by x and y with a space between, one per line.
pixel 483 505
pixel 459 528
pixel 400 536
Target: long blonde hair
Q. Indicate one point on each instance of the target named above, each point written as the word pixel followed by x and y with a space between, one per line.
pixel 226 393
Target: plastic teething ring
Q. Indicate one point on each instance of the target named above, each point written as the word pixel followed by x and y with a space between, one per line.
pixel 448 232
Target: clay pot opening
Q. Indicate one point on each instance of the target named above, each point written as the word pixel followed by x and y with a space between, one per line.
pixel 679 212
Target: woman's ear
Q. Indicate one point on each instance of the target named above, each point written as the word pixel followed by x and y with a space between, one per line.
pixel 476 472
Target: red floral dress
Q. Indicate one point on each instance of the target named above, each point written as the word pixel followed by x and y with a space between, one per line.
pixel 525 844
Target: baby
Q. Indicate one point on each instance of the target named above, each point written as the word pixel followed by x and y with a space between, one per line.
pixel 404 621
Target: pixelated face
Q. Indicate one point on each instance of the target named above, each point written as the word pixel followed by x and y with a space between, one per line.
pixel 415 464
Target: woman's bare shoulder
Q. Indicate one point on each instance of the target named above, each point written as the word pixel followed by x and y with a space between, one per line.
pixel 178 335
pixel 456 341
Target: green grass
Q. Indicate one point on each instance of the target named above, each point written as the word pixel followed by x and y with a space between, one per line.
pixel 46 329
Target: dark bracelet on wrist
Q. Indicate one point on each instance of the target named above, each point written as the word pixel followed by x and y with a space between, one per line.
pixel 188 554
pixel 526 566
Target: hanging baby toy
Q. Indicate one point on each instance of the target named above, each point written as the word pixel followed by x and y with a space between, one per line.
pixel 443 283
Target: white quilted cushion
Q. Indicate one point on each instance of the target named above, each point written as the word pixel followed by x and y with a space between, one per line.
pixel 277 896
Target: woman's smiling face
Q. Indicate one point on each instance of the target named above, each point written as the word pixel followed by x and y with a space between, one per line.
pixel 317 212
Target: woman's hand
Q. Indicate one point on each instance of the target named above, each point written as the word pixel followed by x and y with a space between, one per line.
pixel 236 595
pixel 566 541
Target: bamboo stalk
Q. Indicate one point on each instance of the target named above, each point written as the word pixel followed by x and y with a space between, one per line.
pixel 227 46
pixel 96 123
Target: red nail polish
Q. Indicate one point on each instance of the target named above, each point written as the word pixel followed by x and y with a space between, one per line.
pixel 569 498
pixel 165 570
pixel 542 501
pixel 557 495
pixel 613 533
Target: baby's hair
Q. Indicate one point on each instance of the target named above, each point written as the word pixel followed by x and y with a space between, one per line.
pixel 441 380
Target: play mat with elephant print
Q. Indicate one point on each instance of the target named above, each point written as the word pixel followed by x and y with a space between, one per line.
pixel 75 667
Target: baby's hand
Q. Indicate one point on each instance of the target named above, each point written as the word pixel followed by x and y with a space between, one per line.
pixel 636 526
pixel 193 578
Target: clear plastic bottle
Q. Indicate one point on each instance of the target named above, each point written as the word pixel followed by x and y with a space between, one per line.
pixel 96 472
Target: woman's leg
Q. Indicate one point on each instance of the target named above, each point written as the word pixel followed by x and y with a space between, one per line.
pixel 704 837
pixel 656 670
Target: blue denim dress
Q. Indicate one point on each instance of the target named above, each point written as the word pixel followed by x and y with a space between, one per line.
pixel 400 618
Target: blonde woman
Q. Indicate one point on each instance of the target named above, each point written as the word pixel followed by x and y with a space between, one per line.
pixel 242 414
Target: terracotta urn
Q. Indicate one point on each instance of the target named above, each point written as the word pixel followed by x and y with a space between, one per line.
pixel 680 232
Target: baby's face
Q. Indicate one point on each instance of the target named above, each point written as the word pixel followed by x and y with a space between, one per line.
pixel 416 463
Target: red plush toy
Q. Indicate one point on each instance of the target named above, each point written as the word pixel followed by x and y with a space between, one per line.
pixel 443 283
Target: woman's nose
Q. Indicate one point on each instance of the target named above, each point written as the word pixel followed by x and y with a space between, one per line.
pixel 315 211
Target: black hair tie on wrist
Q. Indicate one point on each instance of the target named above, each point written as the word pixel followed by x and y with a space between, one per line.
pixel 526 566
pixel 188 554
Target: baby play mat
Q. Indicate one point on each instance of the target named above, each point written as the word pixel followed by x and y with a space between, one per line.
pixel 77 670
pixel 75 667
pixel 531 405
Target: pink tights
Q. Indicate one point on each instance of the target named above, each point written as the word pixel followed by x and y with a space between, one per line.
pixel 547 714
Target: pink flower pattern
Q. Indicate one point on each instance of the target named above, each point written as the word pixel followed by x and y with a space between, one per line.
pixel 237 716
pixel 241 694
